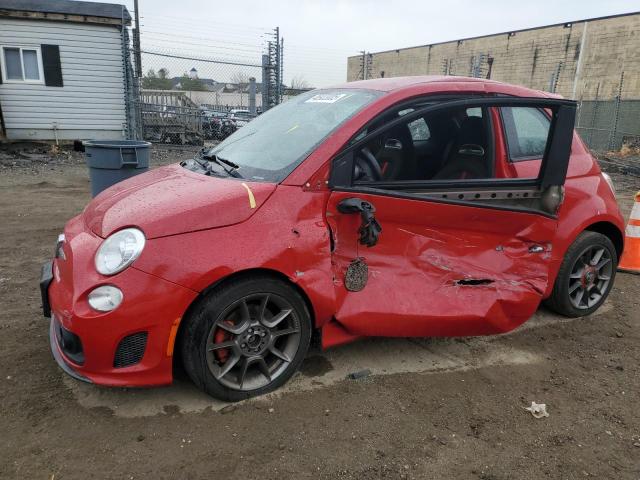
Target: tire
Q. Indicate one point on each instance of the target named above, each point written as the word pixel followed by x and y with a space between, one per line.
pixel 596 287
pixel 246 338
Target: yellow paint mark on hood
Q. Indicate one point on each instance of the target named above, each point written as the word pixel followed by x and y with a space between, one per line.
pixel 252 199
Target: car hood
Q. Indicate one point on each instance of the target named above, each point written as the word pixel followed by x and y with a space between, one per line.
pixel 172 200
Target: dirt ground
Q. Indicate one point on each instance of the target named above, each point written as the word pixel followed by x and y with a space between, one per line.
pixel 432 408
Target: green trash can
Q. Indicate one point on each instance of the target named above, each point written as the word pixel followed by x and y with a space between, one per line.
pixel 111 161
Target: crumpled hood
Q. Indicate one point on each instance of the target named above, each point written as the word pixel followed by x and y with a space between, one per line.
pixel 172 200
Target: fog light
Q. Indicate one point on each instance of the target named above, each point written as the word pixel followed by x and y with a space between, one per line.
pixel 105 298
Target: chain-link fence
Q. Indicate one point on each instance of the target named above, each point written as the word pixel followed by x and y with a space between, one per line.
pixel 607 124
pixel 185 99
pixel 187 96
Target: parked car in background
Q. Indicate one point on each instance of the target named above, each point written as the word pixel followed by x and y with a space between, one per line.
pixel 418 206
pixel 240 117
pixel 217 125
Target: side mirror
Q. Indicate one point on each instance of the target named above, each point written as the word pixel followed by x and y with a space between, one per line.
pixel 369 229
pixel 392 144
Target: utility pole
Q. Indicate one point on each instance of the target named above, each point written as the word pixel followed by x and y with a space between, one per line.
pixel 277 66
pixel 281 65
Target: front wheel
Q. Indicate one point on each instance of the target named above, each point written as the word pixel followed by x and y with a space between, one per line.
pixel 585 277
pixel 246 338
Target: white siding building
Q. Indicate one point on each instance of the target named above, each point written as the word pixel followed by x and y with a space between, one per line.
pixel 64 70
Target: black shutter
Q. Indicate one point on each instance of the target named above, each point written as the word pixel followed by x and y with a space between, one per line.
pixel 51 65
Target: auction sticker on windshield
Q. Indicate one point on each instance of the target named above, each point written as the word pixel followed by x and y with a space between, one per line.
pixel 326 98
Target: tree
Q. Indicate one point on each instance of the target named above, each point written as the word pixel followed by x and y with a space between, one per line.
pixel 241 79
pixel 159 81
pixel 191 84
pixel 299 83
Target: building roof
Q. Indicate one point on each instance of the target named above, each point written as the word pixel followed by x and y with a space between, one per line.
pixel 510 32
pixel 69 7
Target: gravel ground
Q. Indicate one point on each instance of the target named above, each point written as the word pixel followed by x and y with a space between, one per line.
pixel 433 408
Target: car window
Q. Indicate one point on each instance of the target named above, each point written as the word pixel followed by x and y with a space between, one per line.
pixel 274 143
pixel 474 112
pixel 526 130
pixel 419 130
pixel 453 144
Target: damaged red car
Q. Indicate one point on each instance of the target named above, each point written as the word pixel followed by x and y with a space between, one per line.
pixel 418 206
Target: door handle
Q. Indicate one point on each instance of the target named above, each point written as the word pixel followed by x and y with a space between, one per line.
pixel 369 229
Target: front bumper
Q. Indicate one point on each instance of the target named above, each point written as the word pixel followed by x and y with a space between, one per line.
pixel 57 355
pixel 129 346
pixel 46 277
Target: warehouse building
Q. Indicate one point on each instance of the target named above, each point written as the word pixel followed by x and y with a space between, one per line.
pixel 595 61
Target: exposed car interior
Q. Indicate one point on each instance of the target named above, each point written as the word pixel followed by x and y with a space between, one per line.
pixel 449 145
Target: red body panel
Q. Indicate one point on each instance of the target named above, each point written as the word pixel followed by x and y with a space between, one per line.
pixel 150 304
pixel 426 248
pixel 172 200
pixel 202 229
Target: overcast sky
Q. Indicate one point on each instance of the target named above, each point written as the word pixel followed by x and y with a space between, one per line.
pixel 320 35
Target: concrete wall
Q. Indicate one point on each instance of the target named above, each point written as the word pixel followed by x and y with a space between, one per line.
pixel 91 104
pixel 586 58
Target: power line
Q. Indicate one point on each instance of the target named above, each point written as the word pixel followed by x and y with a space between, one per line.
pixel 212 39
pixel 196 59
pixel 204 23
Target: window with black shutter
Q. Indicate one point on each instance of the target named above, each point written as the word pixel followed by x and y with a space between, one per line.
pixel 51 65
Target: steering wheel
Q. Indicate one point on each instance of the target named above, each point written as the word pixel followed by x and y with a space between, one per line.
pixel 369 167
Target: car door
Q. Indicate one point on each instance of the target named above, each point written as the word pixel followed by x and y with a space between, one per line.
pixel 445 256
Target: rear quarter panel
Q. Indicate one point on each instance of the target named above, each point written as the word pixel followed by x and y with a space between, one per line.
pixel 588 200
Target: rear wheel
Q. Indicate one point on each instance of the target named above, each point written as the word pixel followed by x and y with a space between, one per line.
pixel 246 338
pixel 585 277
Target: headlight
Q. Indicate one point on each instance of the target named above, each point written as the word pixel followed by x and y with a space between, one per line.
pixel 105 298
pixel 119 251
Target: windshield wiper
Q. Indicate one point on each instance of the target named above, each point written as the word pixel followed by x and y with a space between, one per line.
pixel 224 163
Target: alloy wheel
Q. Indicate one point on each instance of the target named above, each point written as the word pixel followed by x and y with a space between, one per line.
pixel 253 341
pixel 590 277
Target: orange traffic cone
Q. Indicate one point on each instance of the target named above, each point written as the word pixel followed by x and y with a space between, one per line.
pixel 630 261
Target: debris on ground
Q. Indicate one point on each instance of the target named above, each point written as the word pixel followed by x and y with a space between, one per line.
pixel 538 410
pixel 228 409
pixel 359 374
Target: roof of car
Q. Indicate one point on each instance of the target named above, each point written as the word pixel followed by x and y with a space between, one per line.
pixel 390 84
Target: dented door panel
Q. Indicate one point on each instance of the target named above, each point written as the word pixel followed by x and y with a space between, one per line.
pixel 440 269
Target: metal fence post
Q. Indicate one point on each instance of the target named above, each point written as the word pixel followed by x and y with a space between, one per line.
pixel 616 112
pixel 265 83
pixel 594 112
pixel 252 95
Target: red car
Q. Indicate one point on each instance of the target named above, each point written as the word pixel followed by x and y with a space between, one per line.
pixel 419 206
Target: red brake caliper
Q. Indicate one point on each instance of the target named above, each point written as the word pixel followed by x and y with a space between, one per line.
pixel 222 354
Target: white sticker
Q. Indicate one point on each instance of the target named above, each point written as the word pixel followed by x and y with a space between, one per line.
pixel 326 98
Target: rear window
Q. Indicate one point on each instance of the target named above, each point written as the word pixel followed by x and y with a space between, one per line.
pixel 526 130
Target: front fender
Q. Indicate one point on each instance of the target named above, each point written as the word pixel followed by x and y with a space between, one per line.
pixel 287 235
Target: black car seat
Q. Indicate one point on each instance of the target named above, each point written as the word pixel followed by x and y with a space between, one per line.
pixel 467 157
pixel 397 163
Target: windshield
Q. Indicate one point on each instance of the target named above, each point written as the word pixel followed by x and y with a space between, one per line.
pixel 272 145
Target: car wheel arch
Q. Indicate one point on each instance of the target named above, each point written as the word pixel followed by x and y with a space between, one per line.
pixel 567 234
pixel 251 272
pixel 611 231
